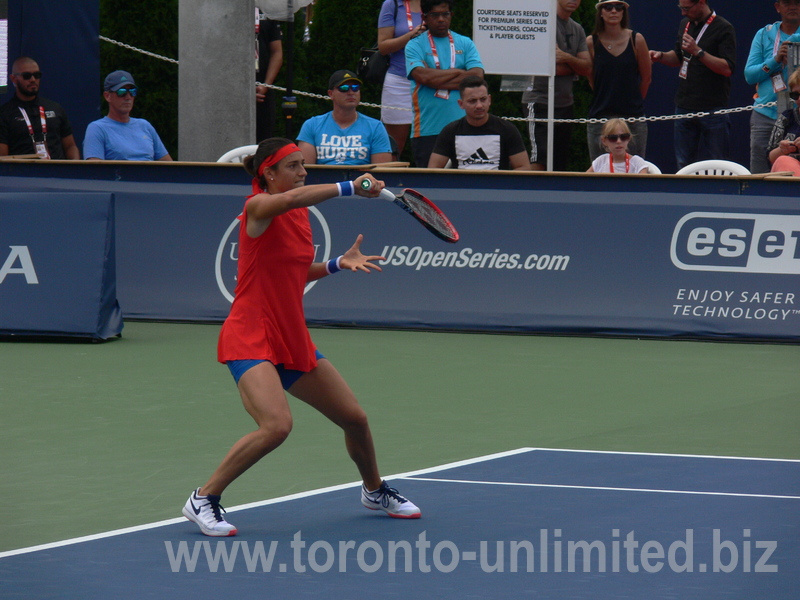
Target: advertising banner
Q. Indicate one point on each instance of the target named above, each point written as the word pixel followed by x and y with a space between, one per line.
pixel 57 265
pixel 582 255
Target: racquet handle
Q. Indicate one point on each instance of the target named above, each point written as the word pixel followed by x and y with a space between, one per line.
pixel 386 194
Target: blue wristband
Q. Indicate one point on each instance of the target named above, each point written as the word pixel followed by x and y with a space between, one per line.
pixel 346 188
pixel 334 265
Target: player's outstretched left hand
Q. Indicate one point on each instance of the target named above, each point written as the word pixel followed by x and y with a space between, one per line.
pixel 354 260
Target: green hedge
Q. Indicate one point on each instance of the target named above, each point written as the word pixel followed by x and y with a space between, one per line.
pixel 153 26
pixel 338 30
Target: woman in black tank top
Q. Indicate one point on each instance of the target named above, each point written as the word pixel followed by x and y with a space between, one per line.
pixel 621 73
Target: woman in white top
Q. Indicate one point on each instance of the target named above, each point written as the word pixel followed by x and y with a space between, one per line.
pixel 616 136
pixel 398 23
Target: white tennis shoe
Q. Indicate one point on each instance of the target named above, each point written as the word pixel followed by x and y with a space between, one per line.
pixel 389 501
pixel 206 512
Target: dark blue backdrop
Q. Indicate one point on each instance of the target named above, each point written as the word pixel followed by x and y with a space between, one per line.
pixel 63 38
pixel 658 22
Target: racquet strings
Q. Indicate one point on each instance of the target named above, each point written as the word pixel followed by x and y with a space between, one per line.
pixel 431 216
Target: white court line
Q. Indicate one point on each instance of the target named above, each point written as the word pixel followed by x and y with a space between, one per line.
pixel 409 474
pixel 603 488
pixel 334 488
pixel 715 456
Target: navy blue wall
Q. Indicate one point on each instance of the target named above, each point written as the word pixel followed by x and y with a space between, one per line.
pixel 597 254
pixel 63 38
pixel 658 22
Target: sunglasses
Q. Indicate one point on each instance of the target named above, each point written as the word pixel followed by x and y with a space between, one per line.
pixel 122 92
pixel 622 137
pixel 686 9
pixel 349 87
pixel 609 7
pixel 438 15
pixel 27 75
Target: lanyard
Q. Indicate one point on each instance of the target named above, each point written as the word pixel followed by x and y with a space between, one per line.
pixel 436 54
pixel 30 127
pixel 407 4
pixel 258 29
pixel 777 44
pixel 703 30
pixel 611 162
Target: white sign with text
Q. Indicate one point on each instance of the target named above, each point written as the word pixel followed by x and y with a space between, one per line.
pixel 516 37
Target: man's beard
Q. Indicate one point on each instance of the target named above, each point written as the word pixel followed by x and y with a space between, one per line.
pixel 28 94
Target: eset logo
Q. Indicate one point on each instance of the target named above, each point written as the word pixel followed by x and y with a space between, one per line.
pixel 749 243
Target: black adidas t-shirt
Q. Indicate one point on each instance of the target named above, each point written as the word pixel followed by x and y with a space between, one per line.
pixel 483 148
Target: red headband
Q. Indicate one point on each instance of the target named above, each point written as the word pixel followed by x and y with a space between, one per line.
pixel 276 157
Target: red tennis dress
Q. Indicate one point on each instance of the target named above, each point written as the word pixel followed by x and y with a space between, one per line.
pixel 267 319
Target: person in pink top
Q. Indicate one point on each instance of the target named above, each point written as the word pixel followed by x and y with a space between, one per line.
pixel 265 341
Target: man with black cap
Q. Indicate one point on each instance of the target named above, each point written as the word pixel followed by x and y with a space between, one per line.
pixel 30 124
pixel 344 136
pixel 119 136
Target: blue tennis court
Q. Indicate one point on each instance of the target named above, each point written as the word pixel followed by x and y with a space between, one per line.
pixel 540 523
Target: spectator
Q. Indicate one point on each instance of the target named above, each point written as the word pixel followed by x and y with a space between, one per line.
pixel 479 140
pixel 269 59
pixel 118 136
pixel 344 136
pixel 783 148
pixel 572 59
pixel 31 124
pixel 615 137
pixel 768 69
pixel 705 81
pixel 395 29
pixel 621 73
pixel 436 63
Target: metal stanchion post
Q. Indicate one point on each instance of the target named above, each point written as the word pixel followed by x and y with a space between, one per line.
pixel 793 62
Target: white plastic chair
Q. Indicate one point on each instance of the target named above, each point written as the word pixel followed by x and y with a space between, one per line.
pixel 237 155
pixel 714 167
pixel 652 169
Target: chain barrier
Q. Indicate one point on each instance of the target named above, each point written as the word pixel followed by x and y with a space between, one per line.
pixel 692 115
pixel 158 56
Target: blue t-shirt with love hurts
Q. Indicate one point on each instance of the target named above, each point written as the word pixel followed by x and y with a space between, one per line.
pixel 353 145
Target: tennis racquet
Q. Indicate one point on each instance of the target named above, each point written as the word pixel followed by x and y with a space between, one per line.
pixel 423 210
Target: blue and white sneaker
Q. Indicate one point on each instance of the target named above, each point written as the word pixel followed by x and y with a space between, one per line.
pixel 205 511
pixel 389 501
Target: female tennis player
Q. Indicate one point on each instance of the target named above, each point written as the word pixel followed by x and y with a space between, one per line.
pixel 265 341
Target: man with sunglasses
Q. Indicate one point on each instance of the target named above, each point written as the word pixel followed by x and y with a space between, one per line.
pixel 344 136
pixel 768 69
pixel 118 136
pixel 705 52
pixel 30 124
